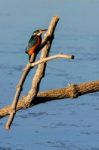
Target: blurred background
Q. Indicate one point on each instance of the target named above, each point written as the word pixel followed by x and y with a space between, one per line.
pixel 57 125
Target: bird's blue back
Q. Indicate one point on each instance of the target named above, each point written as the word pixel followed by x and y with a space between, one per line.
pixel 31 42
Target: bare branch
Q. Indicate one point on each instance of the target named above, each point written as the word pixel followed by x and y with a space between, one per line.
pixel 17 95
pixel 71 91
pixel 51 58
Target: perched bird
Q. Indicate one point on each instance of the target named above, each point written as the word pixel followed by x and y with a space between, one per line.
pixel 35 42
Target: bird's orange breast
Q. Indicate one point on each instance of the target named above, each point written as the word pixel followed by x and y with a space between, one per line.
pixel 34 47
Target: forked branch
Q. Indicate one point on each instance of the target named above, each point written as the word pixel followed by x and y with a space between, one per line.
pixel 38 76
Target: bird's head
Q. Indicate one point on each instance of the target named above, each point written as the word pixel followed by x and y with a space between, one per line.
pixel 39 32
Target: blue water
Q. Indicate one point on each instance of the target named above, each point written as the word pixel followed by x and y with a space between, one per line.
pixel 56 125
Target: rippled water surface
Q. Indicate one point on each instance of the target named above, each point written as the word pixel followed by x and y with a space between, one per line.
pixel 56 125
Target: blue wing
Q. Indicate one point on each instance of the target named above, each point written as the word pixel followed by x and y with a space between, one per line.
pixel 31 42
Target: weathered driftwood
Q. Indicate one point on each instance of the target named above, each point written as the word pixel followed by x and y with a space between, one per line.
pixel 71 91
pixel 33 97
pixel 38 75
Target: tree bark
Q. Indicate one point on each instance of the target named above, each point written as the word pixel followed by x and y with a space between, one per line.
pixel 71 91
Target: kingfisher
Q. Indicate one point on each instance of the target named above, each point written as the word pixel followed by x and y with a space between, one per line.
pixel 35 42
